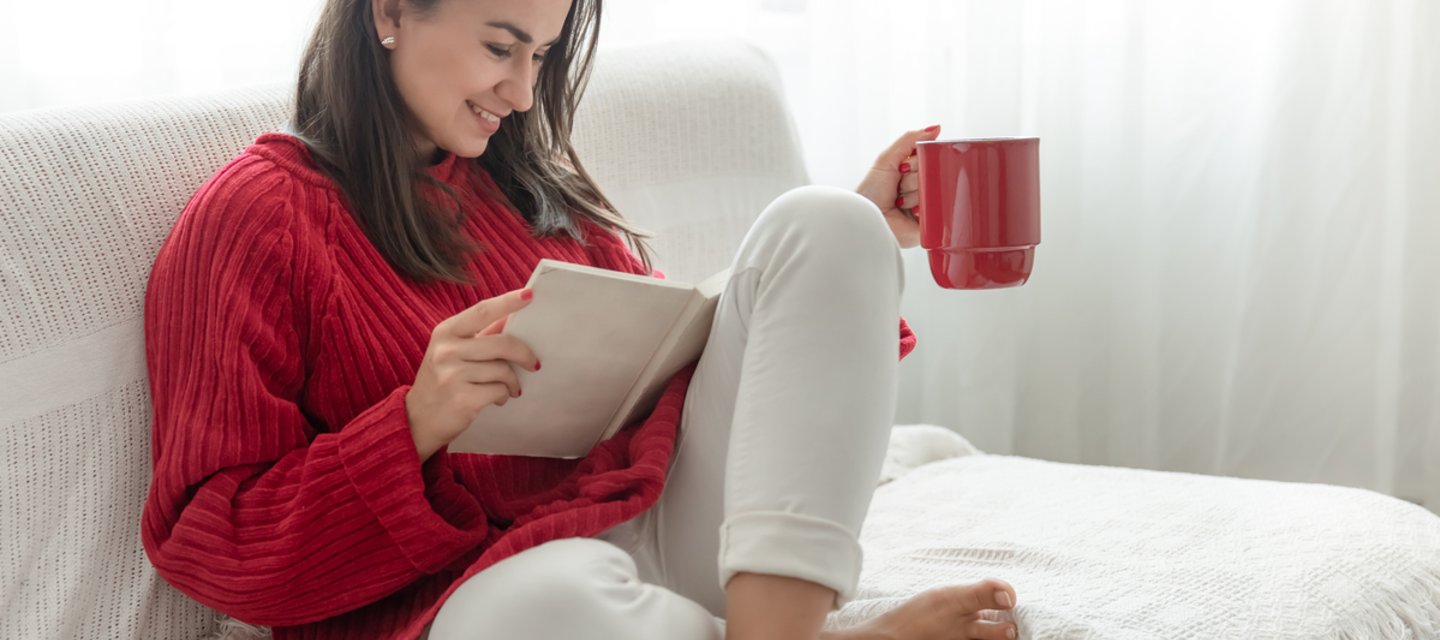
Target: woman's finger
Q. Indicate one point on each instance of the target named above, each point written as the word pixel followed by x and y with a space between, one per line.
pixel 911 164
pixel 909 182
pixel 484 395
pixel 498 347
pixel 483 314
pixel 907 200
pixel 492 371
pixel 495 327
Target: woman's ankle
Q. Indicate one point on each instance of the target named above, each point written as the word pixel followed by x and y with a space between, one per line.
pixel 768 607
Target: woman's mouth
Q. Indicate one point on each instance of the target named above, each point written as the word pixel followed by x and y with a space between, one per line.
pixel 488 121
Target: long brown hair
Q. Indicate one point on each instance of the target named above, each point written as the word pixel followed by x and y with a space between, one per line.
pixel 351 116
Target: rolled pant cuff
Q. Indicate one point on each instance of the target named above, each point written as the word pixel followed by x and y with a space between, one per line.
pixel 794 546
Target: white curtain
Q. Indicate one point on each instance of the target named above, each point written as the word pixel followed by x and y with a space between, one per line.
pixel 82 51
pixel 1240 272
pixel 1241 202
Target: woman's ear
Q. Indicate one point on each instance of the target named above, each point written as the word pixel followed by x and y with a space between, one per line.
pixel 387 20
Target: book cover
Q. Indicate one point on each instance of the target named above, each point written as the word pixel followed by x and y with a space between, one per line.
pixel 609 341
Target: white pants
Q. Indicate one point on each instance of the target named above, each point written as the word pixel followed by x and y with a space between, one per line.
pixel 782 437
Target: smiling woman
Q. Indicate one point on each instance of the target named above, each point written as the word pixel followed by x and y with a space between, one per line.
pixel 320 325
pixel 387 87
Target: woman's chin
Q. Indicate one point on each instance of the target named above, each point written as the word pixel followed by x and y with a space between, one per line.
pixel 470 147
pixel 475 150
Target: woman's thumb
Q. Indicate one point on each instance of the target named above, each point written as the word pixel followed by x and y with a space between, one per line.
pixel 905 146
pixel 924 135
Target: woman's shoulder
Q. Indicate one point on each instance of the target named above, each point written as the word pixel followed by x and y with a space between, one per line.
pixel 264 212
pixel 282 153
pixel 273 182
pixel 275 165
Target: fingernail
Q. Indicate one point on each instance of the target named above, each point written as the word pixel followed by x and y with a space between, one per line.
pixel 905 167
pixel 932 127
pixel 1003 598
pixel 519 392
pixel 900 202
pixel 527 294
pixel 537 365
pixel 1010 633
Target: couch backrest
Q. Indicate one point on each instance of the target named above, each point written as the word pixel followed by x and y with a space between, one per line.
pixel 689 140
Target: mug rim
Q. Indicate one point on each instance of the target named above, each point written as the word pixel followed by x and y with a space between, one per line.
pixel 973 140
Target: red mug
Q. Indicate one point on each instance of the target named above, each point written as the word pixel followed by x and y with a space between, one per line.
pixel 980 210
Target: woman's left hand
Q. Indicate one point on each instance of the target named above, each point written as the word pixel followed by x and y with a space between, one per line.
pixel 893 184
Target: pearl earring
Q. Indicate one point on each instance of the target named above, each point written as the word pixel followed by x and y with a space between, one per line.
pixel 388 41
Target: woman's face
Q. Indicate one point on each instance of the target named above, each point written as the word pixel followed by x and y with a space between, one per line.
pixel 464 56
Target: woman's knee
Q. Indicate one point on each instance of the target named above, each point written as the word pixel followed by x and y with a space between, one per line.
pixel 844 220
pixel 556 587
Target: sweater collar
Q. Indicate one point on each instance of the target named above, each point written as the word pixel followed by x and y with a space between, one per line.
pixel 444 170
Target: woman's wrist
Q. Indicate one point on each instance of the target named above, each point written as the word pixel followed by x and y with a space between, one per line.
pixel 424 446
pixel 425 449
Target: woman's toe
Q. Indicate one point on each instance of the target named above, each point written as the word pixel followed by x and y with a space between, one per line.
pixel 988 630
pixel 967 599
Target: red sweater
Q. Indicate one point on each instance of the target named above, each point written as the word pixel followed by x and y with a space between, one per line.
pixel 287 490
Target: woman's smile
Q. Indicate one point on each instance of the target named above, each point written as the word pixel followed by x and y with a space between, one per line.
pixel 488 121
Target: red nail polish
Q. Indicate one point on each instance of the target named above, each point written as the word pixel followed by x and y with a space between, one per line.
pixel 900 202
pixel 527 294
pixel 537 365
pixel 932 127
pixel 905 167
pixel 519 392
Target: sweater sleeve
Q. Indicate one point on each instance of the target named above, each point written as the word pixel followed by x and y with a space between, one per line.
pixel 252 510
pixel 907 339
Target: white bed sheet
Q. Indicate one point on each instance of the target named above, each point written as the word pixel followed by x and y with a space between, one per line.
pixel 1102 552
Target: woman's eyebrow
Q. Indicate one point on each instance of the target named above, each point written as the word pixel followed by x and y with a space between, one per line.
pixel 518 32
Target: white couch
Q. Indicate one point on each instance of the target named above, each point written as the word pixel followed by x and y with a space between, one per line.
pixel 691 141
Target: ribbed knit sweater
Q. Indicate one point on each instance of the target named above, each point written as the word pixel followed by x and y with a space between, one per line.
pixel 287 489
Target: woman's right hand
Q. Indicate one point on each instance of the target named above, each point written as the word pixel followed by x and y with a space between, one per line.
pixel 466 368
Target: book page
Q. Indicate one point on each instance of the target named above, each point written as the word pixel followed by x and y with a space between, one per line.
pixel 594 331
pixel 683 346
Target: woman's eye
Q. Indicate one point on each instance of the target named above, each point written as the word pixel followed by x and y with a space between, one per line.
pixel 501 52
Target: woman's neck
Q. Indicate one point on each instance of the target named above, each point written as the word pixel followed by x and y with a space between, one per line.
pixel 430 152
pixel 437 155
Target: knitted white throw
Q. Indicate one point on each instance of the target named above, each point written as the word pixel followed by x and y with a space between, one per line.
pixel 1120 554
pixel 1101 552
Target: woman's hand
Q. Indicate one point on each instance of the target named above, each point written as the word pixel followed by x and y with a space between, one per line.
pixel 466 368
pixel 894 186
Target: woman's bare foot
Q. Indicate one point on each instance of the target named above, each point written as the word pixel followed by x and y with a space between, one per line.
pixel 955 612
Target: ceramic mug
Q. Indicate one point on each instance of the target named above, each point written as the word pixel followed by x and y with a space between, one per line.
pixel 980 210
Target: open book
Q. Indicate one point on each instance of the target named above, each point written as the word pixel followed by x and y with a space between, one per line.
pixel 608 343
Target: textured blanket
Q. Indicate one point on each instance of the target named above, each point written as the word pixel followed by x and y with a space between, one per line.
pixel 1101 552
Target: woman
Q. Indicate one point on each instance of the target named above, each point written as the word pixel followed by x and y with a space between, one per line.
pixel 326 316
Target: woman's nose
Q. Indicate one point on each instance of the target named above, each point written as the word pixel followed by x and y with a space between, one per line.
pixel 518 88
